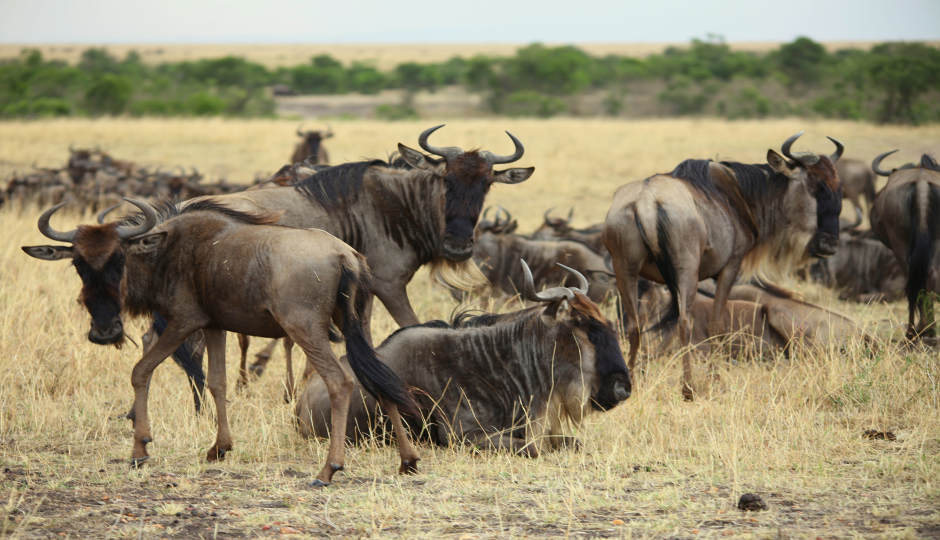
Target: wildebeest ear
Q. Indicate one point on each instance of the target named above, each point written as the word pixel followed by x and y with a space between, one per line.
pixel 777 162
pixel 49 253
pixel 147 242
pixel 413 157
pixel 513 176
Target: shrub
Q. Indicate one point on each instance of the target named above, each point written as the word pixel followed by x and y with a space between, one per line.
pixel 108 95
pixel 528 103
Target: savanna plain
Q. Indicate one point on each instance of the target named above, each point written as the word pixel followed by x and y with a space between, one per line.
pixel 787 428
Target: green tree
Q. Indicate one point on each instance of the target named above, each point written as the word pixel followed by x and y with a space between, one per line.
pixel 108 95
pixel 802 61
pixel 904 71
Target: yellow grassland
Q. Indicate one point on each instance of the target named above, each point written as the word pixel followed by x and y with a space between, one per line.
pixel 383 56
pixel 655 467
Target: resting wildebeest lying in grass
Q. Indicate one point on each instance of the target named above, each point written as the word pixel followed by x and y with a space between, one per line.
pixel 863 270
pixel 207 267
pixel 561 229
pixel 507 382
pixel 707 219
pixel 906 217
pixel 759 319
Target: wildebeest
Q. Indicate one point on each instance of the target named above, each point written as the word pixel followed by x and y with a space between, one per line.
pixel 555 228
pixel 863 270
pixel 401 216
pixel 504 382
pixel 207 267
pixel 497 254
pixel 312 147
pixel 906 217
pixel 708 219
pixel 857 180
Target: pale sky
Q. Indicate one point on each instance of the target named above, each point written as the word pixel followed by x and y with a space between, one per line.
pixel 469 21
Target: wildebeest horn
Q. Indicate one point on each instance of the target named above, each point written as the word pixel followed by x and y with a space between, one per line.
pixel 487 211
pixel 876 164
pixel 494 159
pixel 51 233
pixel 499 208
pixel 570 213
pixel 806 158
pixel 582 281
pixel 127 233
pixel 72 147
pixel 299 132
pixel 839 148
pixel 547 212
pixel 447 152
pixel 328 133
pixel 105 212
pixel 548 295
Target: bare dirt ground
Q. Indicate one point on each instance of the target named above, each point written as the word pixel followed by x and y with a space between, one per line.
pixel 383 56
pixel 788 429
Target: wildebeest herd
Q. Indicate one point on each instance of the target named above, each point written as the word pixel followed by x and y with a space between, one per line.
pixel 303 256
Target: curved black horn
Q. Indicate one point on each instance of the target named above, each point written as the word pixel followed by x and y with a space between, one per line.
pixel 806 158
pixel 788 143
pixel 447 152
pixel 582 281
pixel 494 159
pixel 487 211
pixel 105 212
pixel 51 233
pixel 876 164
pixel 506 212
pixel 548 295
pixel 151 221
pixel 570 213
pixel 545 215
pixel 839 149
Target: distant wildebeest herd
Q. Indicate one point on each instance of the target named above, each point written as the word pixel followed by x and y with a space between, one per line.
pixel 302 256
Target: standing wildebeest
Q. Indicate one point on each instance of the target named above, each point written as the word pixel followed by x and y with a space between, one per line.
pixel 212 268
pixel 708 219
pixel 312 147
pixel 857 180
pixel 498 381
pixel 561 229
pixel 906 217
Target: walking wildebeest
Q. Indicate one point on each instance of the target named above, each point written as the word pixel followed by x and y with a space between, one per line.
pixel 207 267
pixel 708 219
pixel 857 180
pixel 496 255
pixel 906 218
pixel 561 229
pixel 497 381
pixel 312 147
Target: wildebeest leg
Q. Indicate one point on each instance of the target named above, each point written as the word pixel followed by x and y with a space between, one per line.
pixel 339 384
pixel 723 285
pixel 262 358
pixel 243 342
pixel 395 299
pixel 215 346
pixel 409 456
pixel 688 283
pixel 172 338
pixel 290 391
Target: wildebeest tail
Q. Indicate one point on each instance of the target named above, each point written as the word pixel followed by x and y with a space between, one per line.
pixel 662 257
pixel 355 288
pixel 186 356
pixel 920 254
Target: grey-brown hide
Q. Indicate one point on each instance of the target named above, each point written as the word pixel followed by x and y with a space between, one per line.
pixel 708 219
pixel 858 180
pixel 863 270
pixel 311 148
pixel 906 218
pixel 557 228
pixel 210 268
pixel 401 216
pixel 497 256
pixel 508 382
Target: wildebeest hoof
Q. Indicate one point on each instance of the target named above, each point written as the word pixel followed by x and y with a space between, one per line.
pixel 255 369
pixel 216 454
pixel 146 440
pixel 319 483
pixel 409 466
pixel 138 462
pixel 687 394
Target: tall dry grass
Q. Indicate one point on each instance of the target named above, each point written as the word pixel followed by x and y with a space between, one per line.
pixel 655 467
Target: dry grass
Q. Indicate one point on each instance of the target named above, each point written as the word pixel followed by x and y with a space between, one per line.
pixel 655 467
pixel 384 56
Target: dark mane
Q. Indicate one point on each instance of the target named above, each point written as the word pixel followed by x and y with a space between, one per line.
pixel 757 182
pixel 429 324
pixel 695 172
pixel 338 185
pixel 167 210
pixel 928 162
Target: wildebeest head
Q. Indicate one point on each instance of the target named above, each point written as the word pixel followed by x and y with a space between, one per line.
pixel 99 254
pixel 569 311
pixel 467 177
pixel 313 137
pixel 814 193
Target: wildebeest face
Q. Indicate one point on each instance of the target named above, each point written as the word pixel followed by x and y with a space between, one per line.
pixel 467 178
pixel 813 201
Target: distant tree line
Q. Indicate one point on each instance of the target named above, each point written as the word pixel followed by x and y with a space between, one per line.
pixel 892 82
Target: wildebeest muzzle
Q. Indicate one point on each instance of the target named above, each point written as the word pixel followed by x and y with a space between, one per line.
pixel 823 245
pixel 614 389
pixel 108 333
